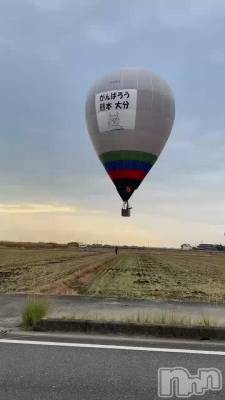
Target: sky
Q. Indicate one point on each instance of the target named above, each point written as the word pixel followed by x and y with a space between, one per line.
pixel 53 187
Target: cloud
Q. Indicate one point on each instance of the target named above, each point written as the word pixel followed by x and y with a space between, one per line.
pixel 35 208
pixel 105 35
pixel 48 208
pixel 218 57
pixel 51 5
pixel 190 14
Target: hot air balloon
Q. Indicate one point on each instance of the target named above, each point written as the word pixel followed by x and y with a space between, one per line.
pixel 129 115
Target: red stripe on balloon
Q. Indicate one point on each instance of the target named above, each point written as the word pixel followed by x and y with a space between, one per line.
pixel 127 174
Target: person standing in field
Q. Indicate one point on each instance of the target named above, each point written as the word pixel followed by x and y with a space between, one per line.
pixel 116 250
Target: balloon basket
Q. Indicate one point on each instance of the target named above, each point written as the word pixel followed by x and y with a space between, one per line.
pixel 125 211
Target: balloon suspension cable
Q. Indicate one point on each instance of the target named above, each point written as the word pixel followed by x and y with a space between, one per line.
pixel 125 211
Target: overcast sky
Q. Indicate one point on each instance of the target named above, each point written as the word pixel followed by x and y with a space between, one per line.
pixel 53 187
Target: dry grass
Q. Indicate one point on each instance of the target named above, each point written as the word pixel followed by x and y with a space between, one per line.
pixel 147 317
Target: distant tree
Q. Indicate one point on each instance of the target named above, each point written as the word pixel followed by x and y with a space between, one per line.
pixel 220 247
pixel 73 244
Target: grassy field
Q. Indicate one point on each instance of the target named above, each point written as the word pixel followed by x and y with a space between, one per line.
pixel 159 274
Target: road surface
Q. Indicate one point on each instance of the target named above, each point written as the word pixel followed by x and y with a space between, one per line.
pixel 55 368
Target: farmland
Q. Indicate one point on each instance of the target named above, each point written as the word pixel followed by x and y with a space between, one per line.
pixel 50 271
pixel 157 274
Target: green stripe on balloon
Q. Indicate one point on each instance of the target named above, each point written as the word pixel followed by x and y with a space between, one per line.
pixel 128 155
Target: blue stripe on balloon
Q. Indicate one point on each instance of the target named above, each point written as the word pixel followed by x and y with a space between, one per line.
pixel 127 164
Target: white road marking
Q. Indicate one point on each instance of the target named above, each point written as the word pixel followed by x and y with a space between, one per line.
pixel 112 347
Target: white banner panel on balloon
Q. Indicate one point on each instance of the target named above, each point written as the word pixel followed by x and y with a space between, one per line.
pixel 116 110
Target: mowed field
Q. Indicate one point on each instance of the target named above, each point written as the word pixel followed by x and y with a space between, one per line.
pixel 158 274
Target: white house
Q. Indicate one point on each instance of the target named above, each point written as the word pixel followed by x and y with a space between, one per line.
pixel 186 246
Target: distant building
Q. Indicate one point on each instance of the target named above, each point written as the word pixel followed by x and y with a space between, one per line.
pixel 207 246
pixel 83 246
pixel 186 246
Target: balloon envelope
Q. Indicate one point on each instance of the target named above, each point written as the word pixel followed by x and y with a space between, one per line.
pixel 129 115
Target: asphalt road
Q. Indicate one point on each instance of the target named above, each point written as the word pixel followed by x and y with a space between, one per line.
pixel 11 306
pixel 41 368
